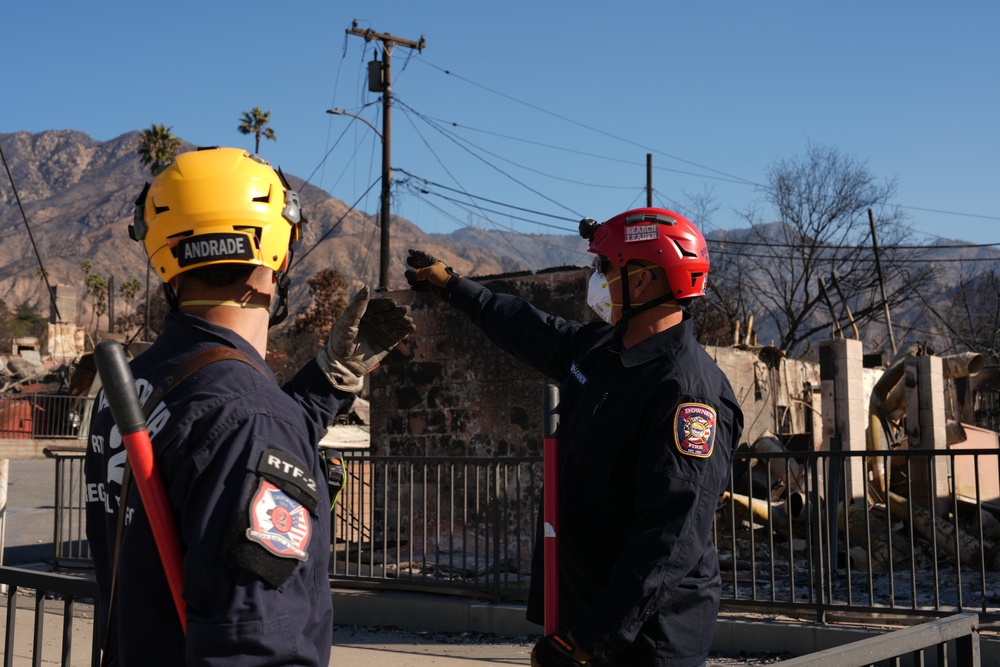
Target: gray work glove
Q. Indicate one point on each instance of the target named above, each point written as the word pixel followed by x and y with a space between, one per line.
pixel 361 338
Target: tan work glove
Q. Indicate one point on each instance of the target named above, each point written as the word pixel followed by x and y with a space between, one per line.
pixel 430 275
pixel 361 338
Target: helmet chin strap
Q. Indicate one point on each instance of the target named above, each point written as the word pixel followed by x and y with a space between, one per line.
pixel 171 296
pixel 629 312
pixel 280 298
pixel 227 303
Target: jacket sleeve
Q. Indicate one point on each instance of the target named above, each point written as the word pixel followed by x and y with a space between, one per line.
pixel 312 390
pixel 236 615
pixel 545 342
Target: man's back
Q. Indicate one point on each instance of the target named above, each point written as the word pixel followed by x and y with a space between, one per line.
pixel 254 584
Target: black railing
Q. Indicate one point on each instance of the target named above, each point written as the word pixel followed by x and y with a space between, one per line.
pixel 70 546
pixel 926 542
pixel 952 640
pixel 51 602
pixel 919 535
pixel 43 416
pixel 461 525
pixel 902 532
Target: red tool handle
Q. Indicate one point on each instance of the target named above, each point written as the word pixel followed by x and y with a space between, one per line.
pixel 550 463
pixel 119 387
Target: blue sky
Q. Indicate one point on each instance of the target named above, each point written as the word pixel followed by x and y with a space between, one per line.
pixel 530 115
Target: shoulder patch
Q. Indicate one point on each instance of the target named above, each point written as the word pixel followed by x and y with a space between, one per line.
pixel 694 429
pixel 278 522
pixel 286 471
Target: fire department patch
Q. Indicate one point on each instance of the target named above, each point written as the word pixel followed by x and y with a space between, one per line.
pixel 279 523
pixel 694 429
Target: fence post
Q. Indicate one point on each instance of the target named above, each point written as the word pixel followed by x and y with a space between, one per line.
pixel 4 476
pixel 495 512
pixel 816 549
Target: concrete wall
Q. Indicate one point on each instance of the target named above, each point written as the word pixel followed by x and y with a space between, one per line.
pixel 776 394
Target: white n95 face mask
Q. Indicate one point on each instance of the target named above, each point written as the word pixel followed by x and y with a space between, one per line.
pixel 599 296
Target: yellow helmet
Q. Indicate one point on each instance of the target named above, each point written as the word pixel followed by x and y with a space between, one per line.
pixel 216 206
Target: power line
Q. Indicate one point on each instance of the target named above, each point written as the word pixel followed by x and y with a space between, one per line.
pixel 492 166
pixel 593 155
pixel 486 199
pixel 965 215
pixel 41 266
pixel 823 246
pixel 436 123
pixel 583 125
pixel 496 226
pixel 298 260
pixel 715 250
pixel 479 208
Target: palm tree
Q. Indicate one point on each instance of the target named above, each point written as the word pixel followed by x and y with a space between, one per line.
pixel 158 147
pixel 255 122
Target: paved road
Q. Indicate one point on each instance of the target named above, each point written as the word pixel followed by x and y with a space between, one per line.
pixel 30 513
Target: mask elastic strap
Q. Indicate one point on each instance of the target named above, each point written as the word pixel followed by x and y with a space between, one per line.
pixel 228 303
pixel 627 311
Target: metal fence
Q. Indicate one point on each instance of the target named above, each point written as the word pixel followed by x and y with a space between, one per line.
pixel 903 532
pixel 51 603
pixel 948 641
pixel 463 525
pixel 69 542
pixel 43 416
pixel 917 536
pixel 929 544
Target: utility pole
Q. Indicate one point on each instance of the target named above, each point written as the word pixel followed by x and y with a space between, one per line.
pixel 649 180
pixel 380 80
pixel 881 282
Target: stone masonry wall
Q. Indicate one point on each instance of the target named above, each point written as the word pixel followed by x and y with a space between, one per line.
pixel 448 391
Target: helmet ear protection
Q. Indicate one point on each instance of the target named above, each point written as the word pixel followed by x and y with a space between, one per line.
pixel 217 206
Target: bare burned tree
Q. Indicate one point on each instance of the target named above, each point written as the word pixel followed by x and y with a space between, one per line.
pixel 973 315
pixel 716 315
pixel 816 227
pixel 298 342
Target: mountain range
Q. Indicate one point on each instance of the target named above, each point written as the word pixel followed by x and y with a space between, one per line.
pixel 78 195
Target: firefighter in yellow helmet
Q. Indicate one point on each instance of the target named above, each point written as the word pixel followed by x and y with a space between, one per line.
pixel 236 451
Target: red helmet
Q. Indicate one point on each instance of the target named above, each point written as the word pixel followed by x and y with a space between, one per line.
pixel 658 236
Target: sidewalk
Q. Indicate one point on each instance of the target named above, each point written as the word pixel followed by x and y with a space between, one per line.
pixel 354 645
pixel 357 646
pixel 369 647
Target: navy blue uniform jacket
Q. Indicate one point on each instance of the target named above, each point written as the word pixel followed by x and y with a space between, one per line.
pixel 238 457
pixel 646 436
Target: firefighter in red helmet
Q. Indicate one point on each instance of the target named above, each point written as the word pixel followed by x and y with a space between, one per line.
pixel 647 426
